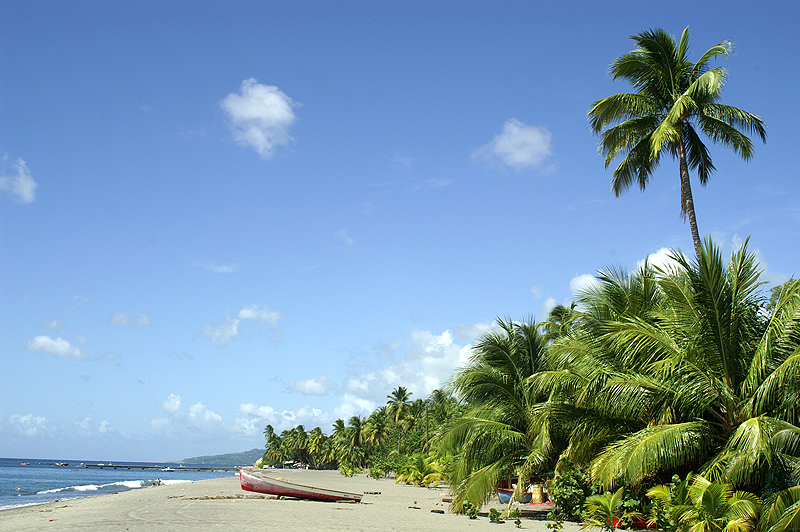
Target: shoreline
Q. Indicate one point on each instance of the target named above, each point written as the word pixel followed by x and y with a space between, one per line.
pixel 97 492
pixel 221 504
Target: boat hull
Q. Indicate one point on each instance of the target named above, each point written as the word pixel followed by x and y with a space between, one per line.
pixel 505 495
pixel 252 481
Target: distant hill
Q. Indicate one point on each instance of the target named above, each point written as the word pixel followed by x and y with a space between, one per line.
pixel 231 459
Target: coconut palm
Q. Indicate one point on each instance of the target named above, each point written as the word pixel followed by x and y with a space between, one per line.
pixel 315 446
pixel 376 431
pixel 675 101
pixel 702 380
pixel 421 471
pixel 606 511
pixel 398 407
pixel 503 430
pixel 580 363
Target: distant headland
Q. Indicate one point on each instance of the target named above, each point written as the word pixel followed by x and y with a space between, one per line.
pixel 246 457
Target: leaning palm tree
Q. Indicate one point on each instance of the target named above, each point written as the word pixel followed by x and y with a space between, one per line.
pixel 503 430
pixel 676 100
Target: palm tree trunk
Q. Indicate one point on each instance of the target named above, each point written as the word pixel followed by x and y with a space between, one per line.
pixel 687 202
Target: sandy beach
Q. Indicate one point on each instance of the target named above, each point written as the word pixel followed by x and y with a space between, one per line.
pixel 221 504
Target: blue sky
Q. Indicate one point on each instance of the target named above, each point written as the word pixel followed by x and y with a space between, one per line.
pixel 220 215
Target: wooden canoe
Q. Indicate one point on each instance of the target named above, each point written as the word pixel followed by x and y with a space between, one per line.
pixel 252 481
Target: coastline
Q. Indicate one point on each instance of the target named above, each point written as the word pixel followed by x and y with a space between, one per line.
pixel 221 504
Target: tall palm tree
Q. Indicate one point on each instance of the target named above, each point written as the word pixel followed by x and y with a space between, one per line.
pixel 315 445
pixel 376 431
pixel 676 100
pixel 398 407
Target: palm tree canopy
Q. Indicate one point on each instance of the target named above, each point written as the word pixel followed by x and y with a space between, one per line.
pixel 676 100
pixel 699 377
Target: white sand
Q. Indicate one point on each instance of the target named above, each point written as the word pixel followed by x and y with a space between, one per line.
pixel 221 505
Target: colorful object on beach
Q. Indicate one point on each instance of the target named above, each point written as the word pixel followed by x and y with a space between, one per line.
pixel 252 481
pixel 505 495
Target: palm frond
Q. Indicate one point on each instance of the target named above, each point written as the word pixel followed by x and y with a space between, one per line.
pixel 782 512
pixel 650 451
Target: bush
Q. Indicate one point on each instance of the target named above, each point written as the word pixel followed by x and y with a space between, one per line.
pixel 568 491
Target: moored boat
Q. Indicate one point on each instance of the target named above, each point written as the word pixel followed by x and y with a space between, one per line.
pixel 505 495
pixel 252 481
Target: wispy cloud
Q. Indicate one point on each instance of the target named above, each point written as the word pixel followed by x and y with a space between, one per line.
pixel 197 416
pixel 223 333
pixel 121 318
pixel 57 347
pixel 18 181
pixel 260 116
pixel 342 236
pixel 217 268
pixel 319 386
pixel 53 325
pixel 264 315
pixel 28 424
pixel 519 146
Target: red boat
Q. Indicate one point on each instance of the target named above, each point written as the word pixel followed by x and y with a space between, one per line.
pixel 252 481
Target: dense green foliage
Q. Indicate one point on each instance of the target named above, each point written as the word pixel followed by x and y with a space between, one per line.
pixel 392 439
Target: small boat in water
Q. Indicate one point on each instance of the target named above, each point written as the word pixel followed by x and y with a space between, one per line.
pixel 168 469
pixel 252 481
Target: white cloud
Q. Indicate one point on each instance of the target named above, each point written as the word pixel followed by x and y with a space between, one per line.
pixel 544 310
pixel 318 386
pixel 265 315
pixel 217 268
pixel 197 418
pixel 519 146
pixel 259 116
pixel 87 428
pixel 421 364
pixel 56 347
pixel 352 405
pixel 20 182
pixel 581 283
pixel 28 424
pixel 470 333
pixel 251 419
pixel 222 333
pixel 121 318
pixel 172 404
pixel 199 414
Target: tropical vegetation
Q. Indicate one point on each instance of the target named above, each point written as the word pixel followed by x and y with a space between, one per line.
pixel 668 393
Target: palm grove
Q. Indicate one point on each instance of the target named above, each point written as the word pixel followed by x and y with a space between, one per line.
pixel 674 386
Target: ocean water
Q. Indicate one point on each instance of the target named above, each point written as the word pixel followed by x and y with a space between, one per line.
pixel 35 481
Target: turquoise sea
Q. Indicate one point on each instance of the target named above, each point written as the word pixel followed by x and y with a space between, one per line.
pixel 25 481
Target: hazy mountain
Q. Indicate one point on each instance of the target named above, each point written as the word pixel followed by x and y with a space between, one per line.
pixel 230 459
